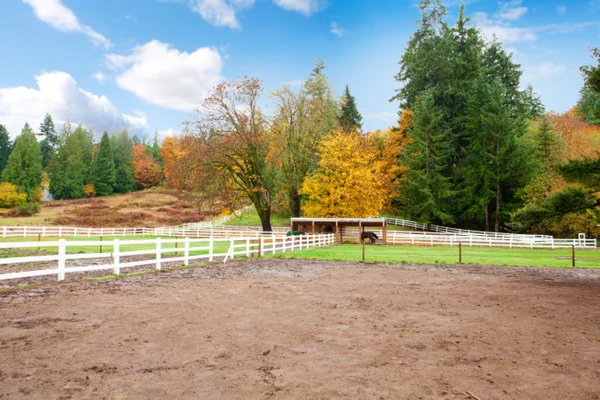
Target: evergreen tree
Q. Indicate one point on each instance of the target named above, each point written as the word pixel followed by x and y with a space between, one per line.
pixel 103 176
pixel 123 155
pixel 24 167
pixel 155 149
pixel 49 144
pixel 495 162
pixel 71 170
pixel 350 119
pixel 591 73
pixel 588 105
pixel 5 148
pixel 424 189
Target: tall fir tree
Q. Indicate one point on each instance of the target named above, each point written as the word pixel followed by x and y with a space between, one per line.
pixel 123 156
pixel 49 144
pixel 5 148
pixel 103 175
pixel 424 188
pixel 71 170
pixel 24 167
pixel 350 119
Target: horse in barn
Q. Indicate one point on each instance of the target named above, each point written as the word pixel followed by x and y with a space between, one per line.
pixel 369 235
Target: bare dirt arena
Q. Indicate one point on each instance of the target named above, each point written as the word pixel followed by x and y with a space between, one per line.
pixel 292 329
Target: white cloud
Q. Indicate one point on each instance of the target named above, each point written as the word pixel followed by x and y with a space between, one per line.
pixel 224 12
pixel 161 75
pixel 336 30
pixel 561 10
pixel 297 82
pixel 59 95
pixel 543 71
pixel 216 12
pixel 99 76
pixel 507 33
pixel 55 14
pixel 511 10
pixel 306 7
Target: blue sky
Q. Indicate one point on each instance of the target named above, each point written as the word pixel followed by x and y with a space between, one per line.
pixel 145 64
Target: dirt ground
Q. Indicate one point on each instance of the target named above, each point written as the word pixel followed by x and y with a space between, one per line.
pixel 295 329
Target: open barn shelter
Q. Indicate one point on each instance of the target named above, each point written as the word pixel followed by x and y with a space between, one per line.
pixel 339 226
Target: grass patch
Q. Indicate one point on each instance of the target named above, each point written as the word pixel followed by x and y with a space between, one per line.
pixel 449 255
pixel 251 219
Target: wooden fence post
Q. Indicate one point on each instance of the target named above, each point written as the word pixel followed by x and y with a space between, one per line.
pixel 100 244
pixel 117 256
pixel 573 256
pixel 460 252
pixel 260 246
pixel 158 253
pixel 186 252
pixel 62 257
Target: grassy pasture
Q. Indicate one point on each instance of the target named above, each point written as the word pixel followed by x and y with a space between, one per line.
pixel 560 258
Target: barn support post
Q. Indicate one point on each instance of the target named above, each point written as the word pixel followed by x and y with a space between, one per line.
pixel 337 230
pixel 361 230
pixel 384 232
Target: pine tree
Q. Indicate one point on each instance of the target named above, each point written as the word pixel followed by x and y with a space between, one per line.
pixel 103 176
pixel 24 167
pixel 349 119
pixel 71 170
pixel 49 144
pixel 424 189
pixel 124 170
pixel 5 148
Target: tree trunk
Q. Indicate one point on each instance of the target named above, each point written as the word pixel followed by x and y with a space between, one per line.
pixel 265 220
pixel 497 224
pixel 296 204
pixel 487 219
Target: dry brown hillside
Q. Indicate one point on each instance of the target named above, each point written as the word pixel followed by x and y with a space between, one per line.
pixel 140 209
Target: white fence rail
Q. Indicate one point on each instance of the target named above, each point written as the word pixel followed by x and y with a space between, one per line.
pixel 193 249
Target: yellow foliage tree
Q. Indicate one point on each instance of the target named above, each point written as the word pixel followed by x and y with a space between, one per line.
pixel 11 196
pixel 350 182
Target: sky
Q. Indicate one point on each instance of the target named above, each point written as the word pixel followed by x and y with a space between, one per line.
pixel 145 65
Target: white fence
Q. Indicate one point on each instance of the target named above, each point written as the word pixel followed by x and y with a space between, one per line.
pixel 532 242
pixel 445 229
pixel 193 249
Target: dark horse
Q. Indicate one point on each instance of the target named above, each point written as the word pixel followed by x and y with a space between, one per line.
pixel 369 235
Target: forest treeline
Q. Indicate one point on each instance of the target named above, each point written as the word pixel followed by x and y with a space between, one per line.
pixel 471 148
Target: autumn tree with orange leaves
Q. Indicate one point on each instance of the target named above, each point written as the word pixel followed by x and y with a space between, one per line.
pixel 148 172
pixel 235 140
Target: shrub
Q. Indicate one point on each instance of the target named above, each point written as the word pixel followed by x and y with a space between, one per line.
pixel 25 210
pixel 89 190
pixel 10 196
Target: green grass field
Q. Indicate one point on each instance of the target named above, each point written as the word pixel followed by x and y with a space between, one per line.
pixel 449 255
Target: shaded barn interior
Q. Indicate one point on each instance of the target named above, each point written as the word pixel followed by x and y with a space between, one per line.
pixel 340 226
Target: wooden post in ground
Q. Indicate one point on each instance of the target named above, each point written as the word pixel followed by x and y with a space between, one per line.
pixel 363 251
pixel 337 229
pixel 573 256
pixel 39 239
pixel 460 252
pixel 101 244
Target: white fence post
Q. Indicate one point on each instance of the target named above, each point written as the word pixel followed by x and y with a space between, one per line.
pixel 62 258
pixel 25 231
pixel 232 247
pixel 247 247
pixel 211 248
pixel 117 256
pixel 186 253
pixel 273 236
pixel 4 232
pixel 158 253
